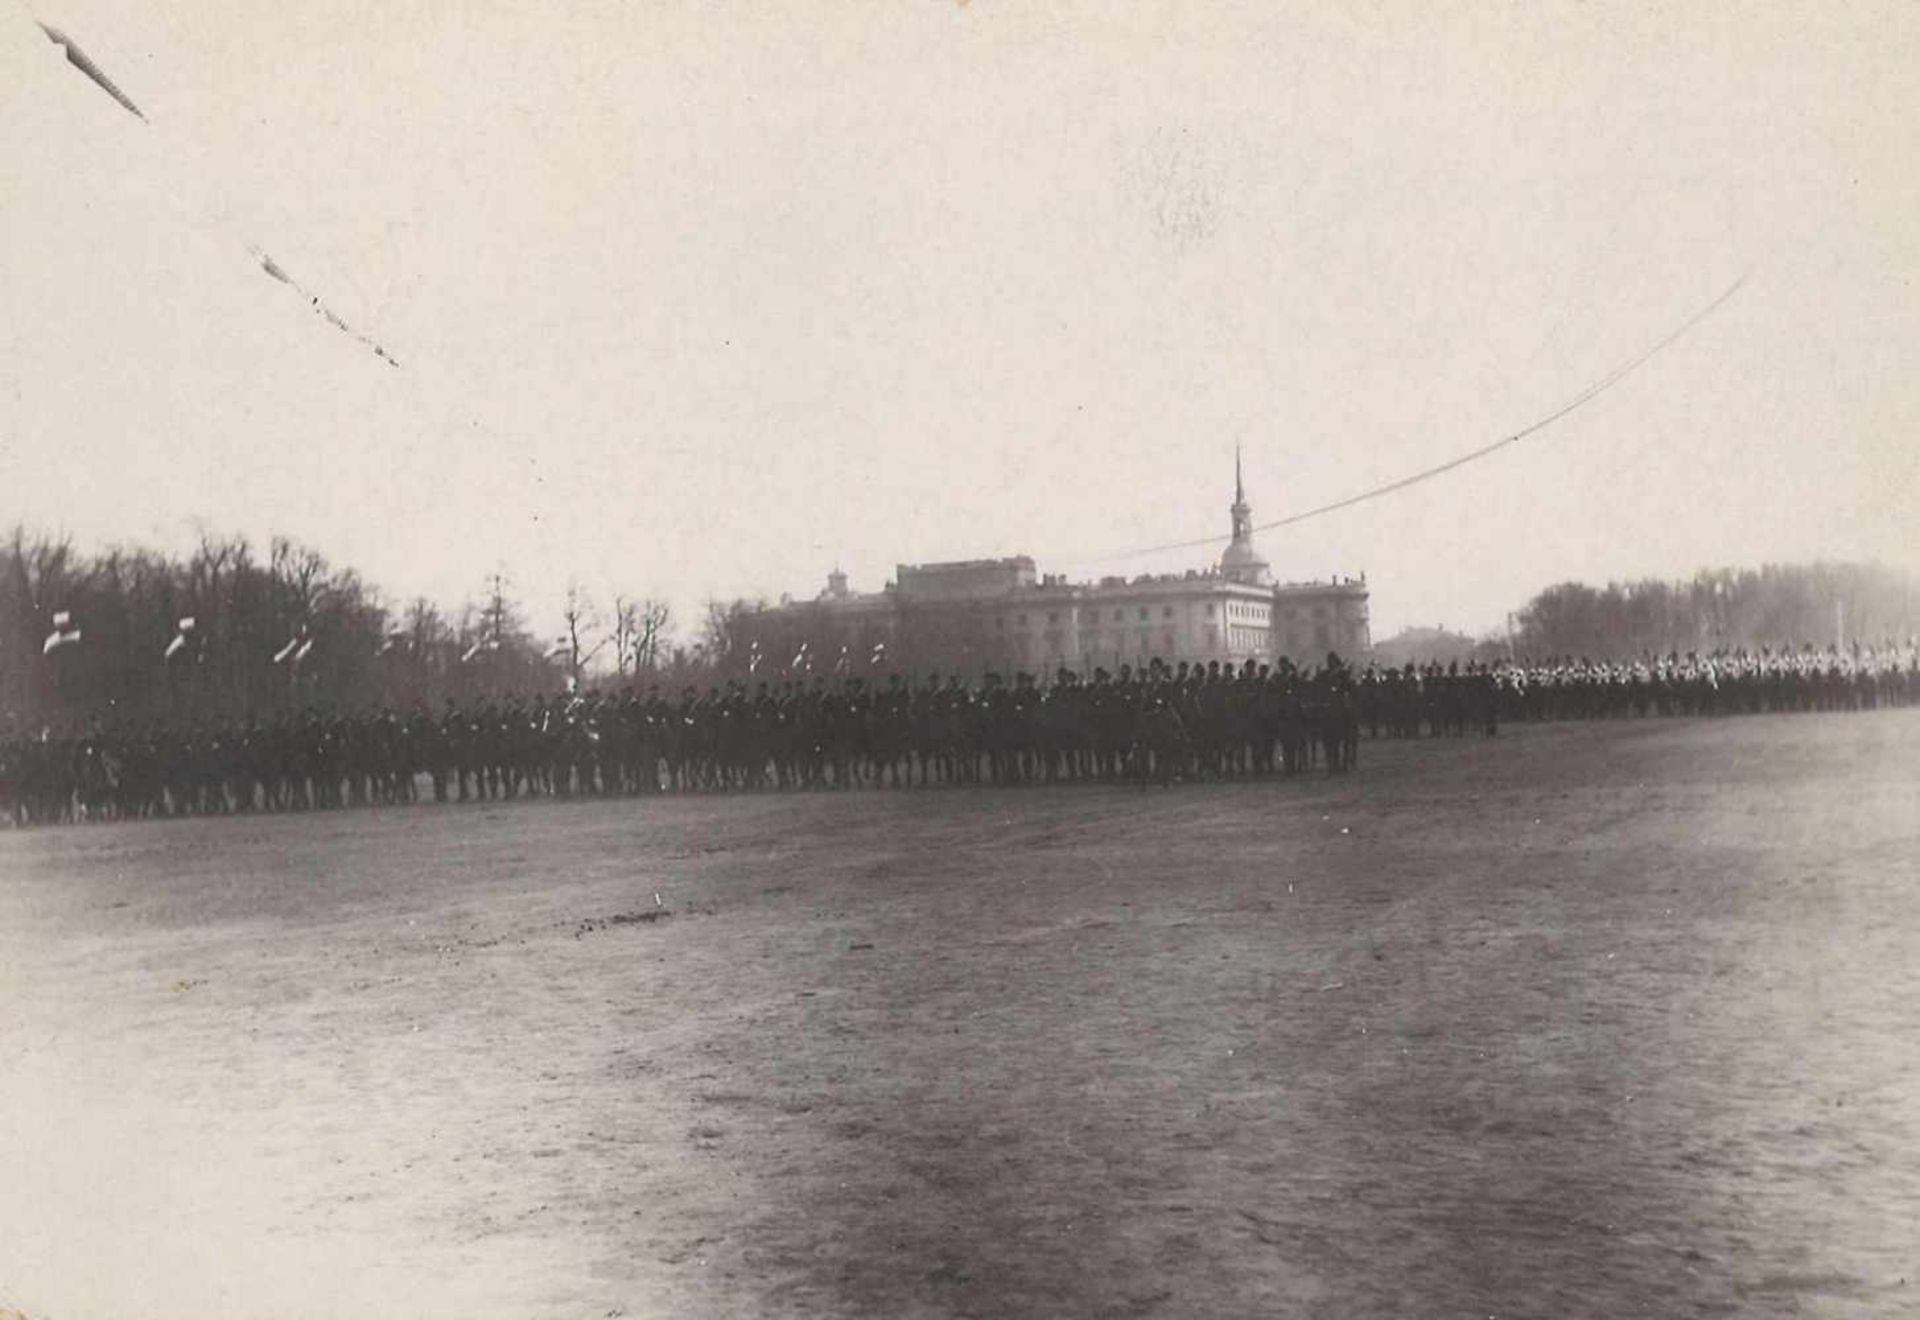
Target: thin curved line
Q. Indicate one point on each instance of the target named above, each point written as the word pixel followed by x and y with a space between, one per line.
pixel 1585 396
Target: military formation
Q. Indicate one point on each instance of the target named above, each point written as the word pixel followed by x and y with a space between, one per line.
pixel 1158 723
pixel 1154 724
pixel 1726 682
pixel 1439 700
pixel 1435 700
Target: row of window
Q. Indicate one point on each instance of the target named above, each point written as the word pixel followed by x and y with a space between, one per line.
pixel 1091 616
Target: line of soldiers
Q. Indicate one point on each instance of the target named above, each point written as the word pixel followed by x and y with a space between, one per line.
pixel 1156 723
pixel 1450 700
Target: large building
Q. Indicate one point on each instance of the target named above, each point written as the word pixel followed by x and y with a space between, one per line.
pixel 1001 614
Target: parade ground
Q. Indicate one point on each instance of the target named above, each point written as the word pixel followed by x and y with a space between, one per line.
pixel 1590 1019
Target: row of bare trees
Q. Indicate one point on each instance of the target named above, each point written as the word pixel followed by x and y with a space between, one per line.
pixel 224 633
pixel 1774 606
pixel 633 639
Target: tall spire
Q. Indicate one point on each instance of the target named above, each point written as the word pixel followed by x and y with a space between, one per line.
pixel 1242 562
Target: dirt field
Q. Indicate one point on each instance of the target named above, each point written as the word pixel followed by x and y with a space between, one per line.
pixel 1590 1021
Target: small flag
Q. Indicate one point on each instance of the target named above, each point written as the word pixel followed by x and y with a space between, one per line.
pixel 281 656
pixel 61 618
pixel 179 642
pixel 305 647
pixel 59 637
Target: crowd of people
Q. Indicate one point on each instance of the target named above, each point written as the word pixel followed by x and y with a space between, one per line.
pixel 1157 723
pixel 1722 682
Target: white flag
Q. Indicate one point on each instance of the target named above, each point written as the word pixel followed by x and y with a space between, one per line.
pixel 177 645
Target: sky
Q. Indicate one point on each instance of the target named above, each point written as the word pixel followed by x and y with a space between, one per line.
pixel 702 300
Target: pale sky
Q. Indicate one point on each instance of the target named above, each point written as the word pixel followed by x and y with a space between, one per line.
pixel 702 299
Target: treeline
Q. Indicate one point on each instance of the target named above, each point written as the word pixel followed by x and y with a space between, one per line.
pixel 1721 609
pixel 226 632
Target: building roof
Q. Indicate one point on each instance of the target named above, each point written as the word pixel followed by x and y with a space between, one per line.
pixel 1243 561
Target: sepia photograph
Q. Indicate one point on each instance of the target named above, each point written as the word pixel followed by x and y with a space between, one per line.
pixel 959 658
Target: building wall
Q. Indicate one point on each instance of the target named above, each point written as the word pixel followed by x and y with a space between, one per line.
pixel 1042 626
pixel 1312 619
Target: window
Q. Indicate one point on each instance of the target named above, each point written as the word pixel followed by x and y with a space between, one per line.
pixel 1021 620
pixel 1209 614
pixel 1213 635
pixel 1166 611
pixel 1053 617
pixel 1001 622
pixel 1117 616
pixel 1143 611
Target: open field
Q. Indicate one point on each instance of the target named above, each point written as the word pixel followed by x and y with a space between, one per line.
pixel 1591 1020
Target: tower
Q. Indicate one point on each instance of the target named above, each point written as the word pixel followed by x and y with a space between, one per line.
pixel 1242 562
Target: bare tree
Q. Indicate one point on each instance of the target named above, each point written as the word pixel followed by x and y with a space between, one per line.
pixel 40 568
pixel 626 621
pixel 301 576
pixel 724 640
pixel 582 622
pixel 640 632
pixel 424 628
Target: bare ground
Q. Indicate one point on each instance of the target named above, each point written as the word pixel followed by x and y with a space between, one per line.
pixel 1601 1020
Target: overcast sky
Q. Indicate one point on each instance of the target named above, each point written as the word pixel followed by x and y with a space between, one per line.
pixel 703 299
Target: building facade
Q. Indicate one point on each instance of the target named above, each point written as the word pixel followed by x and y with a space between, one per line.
pixel 975 616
